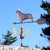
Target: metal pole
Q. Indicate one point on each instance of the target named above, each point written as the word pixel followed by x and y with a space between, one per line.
pixel 21 42
pixel 21 33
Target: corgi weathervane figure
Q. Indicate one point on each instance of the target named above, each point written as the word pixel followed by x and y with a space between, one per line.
pixel 22 16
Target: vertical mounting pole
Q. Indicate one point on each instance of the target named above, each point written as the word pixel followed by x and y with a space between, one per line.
pixel 21 42
pixel 21 33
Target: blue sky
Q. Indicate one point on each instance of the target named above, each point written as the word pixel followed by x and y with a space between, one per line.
pixel 8 16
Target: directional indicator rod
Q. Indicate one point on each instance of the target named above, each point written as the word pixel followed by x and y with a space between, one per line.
pixel 23 22
pixel 39 22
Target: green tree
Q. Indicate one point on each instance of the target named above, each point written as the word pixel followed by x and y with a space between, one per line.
pixel 36 46
pixel 46 31
pixel 46 7
pixel 48 48
pixel 9 39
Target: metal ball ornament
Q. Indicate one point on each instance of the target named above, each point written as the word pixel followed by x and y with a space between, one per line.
pixel 21 36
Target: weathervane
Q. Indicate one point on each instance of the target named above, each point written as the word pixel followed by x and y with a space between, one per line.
pixel 22 17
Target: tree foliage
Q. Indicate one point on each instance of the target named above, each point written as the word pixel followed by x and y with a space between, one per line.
pixel 46 7
pixel 8 39
pixel 46 31
pixel 48 48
